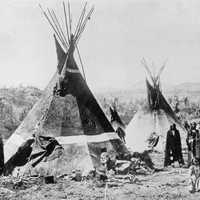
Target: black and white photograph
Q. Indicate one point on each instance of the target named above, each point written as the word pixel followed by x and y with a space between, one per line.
pixel 100 100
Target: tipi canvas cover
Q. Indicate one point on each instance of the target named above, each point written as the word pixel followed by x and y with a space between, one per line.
pixel 153 121
pixel 69 112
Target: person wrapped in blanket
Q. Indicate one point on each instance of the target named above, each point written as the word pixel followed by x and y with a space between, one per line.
pixel 25 153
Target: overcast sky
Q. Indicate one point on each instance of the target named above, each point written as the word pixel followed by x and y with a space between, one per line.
pixel 119 34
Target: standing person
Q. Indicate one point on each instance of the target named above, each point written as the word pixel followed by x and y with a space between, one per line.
pixel 1 155
pixel 190 144
pixel 178 156
pixel 186 126
pixel 173 150
pixel 169 152
pixel 194 134
pixel 197 143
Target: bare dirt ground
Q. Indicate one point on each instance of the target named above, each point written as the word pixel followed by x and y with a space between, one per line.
pixel 169 184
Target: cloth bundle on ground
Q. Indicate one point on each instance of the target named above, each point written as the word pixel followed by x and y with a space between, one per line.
pixel 49 149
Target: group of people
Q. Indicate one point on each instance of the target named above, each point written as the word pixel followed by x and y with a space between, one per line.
pixel 193 144
pixel 173 152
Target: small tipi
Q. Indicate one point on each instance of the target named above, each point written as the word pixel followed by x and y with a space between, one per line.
pixel 148 128
pixel 68 110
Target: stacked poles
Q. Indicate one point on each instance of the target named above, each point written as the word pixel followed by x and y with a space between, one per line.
pixel 64 34
pixel 155 78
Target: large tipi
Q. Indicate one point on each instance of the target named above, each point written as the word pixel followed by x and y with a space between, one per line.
pixel 147 130
pixel 68 110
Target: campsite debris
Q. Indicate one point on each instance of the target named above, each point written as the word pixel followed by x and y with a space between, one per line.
pixel 114 172
pixel 19 183
pixel 49 179
pixel 76 175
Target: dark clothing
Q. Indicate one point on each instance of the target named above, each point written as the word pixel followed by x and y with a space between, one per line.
pixel 1 156
pixel 20 158
pixel 190 140
pixel 186 126
pixel 111 165
pixel 193 142
pixel 173 150
pixel 197 145
pixel 168 148
pixel 178 148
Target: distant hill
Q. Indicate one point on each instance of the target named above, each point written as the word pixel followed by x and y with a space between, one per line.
pixel 15 103
pixel 14 106
pixel 188 87
pixel 138 90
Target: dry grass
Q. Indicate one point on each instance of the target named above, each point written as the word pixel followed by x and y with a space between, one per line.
pixel 166 185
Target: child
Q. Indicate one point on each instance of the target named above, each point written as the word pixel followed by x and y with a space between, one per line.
pixel 194 172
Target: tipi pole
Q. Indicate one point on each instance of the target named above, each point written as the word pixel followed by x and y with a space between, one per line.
pixel 70 21
pixel 60 27
pixel 66 24
pixel 80 19
pixel 84 23
pixel 105 191
pixel 147 68
pixel 56 26
pixel 52 26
